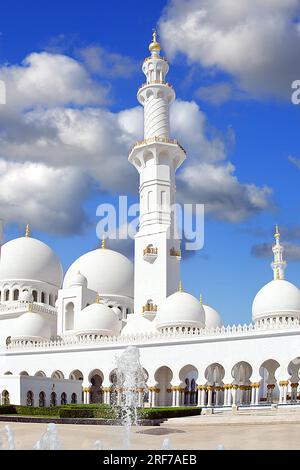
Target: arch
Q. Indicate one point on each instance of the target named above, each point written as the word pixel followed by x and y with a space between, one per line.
pixel 96 379
pixel 69 316
pixel 8 341
pixel 6 295
pixel 43 298
pixel 63 398
pixel 293 371
pixel 57 374
pixel 53 399
pixel 5 399
pixel 148 159
pixel 267 372
pixel 16 294
pixel 76 375
pixel 34 295
pixel 8 373
pixel 214 374
pixel 40 373
pixel 29 398
pixel 188 376
pixel 73 398
pixel 42 399
pixel 23 372
pixel 163 377
pixel 241 373
pixel 51 300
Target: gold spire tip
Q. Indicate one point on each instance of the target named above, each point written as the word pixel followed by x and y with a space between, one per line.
pixel 154 45
pixel 180 287
pixel 27 231
pixel 103 243
pixel 277 274
pixel 201 299
pixel 98 299
pixel 276 234
pixel 30 307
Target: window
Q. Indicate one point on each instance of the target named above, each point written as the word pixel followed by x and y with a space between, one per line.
pixel 29 398
pixel 42 399
pixel 34 295
pixel 6 295
pixel 53 399
pixel 69 316
pixel 43 297
pixel 16 294
pixel 5 397
pixel 74 398
pixel 63 399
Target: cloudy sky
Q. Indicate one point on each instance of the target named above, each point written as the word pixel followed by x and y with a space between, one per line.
pixel 72 70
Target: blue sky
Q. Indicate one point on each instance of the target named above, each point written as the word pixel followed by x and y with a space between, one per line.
pixel 256 123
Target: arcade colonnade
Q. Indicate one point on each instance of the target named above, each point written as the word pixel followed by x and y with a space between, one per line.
pixel 220 386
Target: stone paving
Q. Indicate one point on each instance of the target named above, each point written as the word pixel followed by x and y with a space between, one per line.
pixel 262 430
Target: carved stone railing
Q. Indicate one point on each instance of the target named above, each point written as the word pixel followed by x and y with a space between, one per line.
pixel 36 308
pixel 151 140
pixel 182 333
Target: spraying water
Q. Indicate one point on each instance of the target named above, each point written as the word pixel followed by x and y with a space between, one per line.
pixel 166 445
pixel 130 383
pixel 49 440
pixel 10 437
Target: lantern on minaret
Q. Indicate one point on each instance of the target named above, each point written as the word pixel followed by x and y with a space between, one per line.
pixel 156 158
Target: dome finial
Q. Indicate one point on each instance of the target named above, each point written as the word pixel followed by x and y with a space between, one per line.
pixel 30 307
pixel 98 299
pixel 277 233
pixel 201 299
pixel 180 287
pixel 27 231
pixel 154 46
pixel 103 243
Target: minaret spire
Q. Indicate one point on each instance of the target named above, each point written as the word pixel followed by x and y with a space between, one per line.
pixel 279 264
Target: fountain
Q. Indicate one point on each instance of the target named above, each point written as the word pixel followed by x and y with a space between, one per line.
pixel 49 440
pixel 10 437
pixel 130 381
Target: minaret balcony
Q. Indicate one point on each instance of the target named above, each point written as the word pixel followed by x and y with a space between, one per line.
pixel 152 140
pixel 176 254
pixel 156 82
pixel 150 254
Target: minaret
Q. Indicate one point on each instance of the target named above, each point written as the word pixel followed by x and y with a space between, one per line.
pixel 156 158
pixel 279 264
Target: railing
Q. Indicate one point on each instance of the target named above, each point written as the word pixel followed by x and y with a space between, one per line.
pixel 157 139
pixel 36 308
pixel 156 82
pixel 162 336
pixel 150 58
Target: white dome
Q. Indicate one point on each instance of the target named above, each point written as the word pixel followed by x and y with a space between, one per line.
pixel 181 309
pixel 107 272
pixel 97 319
pixel 30 259
pixel 277 298
pixel 137 325
pixel 25 296
pixel 78 280
pixel 31 326
pixel 212 318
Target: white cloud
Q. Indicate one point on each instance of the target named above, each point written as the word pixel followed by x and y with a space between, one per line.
pixel 264 250
pixel 257 42
pixel 45 79
pixel 53 153
pixel 107 64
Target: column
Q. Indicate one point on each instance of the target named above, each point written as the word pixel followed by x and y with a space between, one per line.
pixel 218 390
pixel 234 394
pixel 253 393
pixel 173 389
pixel 199 395
pixel 140 397
pixel 203 396
pixel 181 396
pixel 257 385
pixel 283 391
pixel 228 388
pixel 209 398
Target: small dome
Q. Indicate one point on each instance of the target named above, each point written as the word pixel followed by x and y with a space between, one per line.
pixel 25 296
pixel 78 280
pixel 106 271
pixel 30 259
pixel 212 318
pixel 181 309
pixel 31 326
pixel 137 325
pixel 97 319
pixel 275 299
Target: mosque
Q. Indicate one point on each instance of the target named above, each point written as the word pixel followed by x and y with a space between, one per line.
pixel 60 334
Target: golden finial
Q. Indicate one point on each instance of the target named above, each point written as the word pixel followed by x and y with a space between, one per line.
pixel 180 287
pixel 201 299
pixel 27 231
pixel 30 307
pixel 277 274
pixel 103 244
pixel 277 234
pixel 154 45
pixel 98 299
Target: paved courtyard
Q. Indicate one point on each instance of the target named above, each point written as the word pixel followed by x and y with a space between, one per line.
pixel 258 430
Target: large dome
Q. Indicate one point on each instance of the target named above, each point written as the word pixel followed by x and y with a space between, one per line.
pixel 97 319
pixel 31 326
pixel 181 309
pixel 278 298
pixel 212 318
pixel 29 259
pixel 107 272
pixel 137 325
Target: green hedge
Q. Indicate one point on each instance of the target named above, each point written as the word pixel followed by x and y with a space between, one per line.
pixel 89 411
pixel 163 413
pixel 8 410
pixel 29 410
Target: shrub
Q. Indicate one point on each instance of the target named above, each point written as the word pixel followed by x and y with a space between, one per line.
pixel 163 413
pixel 8 410
pixel 89 411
